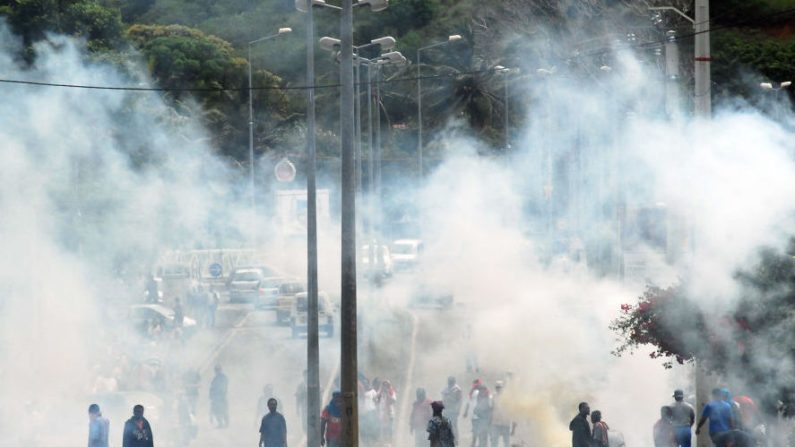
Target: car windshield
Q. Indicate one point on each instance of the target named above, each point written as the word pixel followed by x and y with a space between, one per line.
pixel 247 275
pixel 402 249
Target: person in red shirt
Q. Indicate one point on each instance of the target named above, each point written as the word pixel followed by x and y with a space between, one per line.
pixel 331 422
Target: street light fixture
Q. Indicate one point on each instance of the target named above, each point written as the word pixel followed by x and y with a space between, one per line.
pixel 450 39
pixel 375 5
pixel 280 32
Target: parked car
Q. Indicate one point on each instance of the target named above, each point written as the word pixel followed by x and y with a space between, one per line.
pixel 271 289
pixel 431 297
pixel 284 303
pixel 143 315
pixel 406 254
pixel 325 316
pixel 243 283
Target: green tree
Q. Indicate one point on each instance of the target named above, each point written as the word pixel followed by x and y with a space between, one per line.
pixel 753 340
pixel 206 68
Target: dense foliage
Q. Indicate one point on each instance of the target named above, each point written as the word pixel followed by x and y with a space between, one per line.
pixel 209 47
pixel 753 340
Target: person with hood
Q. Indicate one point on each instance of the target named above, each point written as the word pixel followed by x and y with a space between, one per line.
pixel 98 427
pixel 440 430
pixel 137 431
pixel 331 422
pixel 600 429
pixel 580 428
pixel 420 415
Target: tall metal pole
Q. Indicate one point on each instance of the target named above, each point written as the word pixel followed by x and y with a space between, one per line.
pixel 419 116
pixel 377 154
pixel 671 74
pixel 348 333
pixel 703 109
pixel 312 345
pixel 357 74
pixel 703 88
pixel 250 134
pixel 507 104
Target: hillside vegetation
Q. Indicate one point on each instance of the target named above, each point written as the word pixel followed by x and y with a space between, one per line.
pixel 203 44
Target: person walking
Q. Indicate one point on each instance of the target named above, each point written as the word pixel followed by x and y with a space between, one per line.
pixel 440 429
pixel 387 398
pixel 273 429
pixel 481 417
pixel 502 426
pixel 683 416
pixel 301 392
pixel 98 427
pixel 219 406
pixel 179 314
pixel 452 398
pixel 664 434
pixel 137 431
pixel 331 422
pixel 421 413
pixel 720 416
pixel 580 428
pixel 600 430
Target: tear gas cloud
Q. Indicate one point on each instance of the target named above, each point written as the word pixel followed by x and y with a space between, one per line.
pixel 81 210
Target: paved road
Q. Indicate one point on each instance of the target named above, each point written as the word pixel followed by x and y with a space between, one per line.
pixel 255 352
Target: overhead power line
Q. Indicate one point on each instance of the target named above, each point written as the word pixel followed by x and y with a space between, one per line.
pixel 227 89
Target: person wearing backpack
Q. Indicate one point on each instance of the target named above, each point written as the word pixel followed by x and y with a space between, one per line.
pixel 440 430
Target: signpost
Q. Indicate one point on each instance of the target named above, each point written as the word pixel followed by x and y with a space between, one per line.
pixel 284 171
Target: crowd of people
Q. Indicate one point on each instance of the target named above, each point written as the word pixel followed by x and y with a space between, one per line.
pixel 733 421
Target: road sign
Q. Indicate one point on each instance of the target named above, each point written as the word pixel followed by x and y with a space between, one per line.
pixel 216 270
pixel 284 171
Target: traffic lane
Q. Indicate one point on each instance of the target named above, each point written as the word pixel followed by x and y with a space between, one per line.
pixel 257 353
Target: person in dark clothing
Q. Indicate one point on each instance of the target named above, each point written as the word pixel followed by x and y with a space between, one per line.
pixel 98 427
pixel 273 429
pixel 152 293
pixel 179 314
pixel 219 408
pixel 137 432
pixel 440 429
pixel 580 428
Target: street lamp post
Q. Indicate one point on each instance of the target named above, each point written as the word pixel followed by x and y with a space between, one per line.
pixel 251 113
pixel 506 71
pixel 348 360
pixel 769 86
pixel 450 39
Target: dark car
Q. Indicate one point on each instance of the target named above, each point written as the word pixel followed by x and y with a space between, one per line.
pixel 243 283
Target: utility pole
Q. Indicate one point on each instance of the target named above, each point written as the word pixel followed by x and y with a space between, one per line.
pixel 703 89
pixel 348 335
pixel 312 344
pixel 671 74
